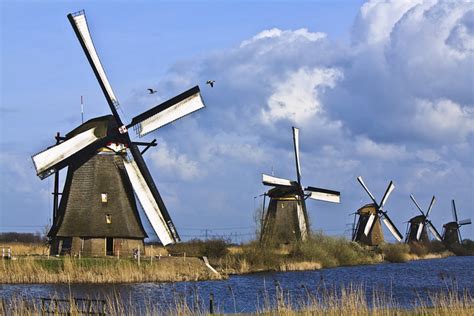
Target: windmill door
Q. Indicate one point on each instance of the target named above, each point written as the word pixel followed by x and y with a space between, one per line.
pixel 109 246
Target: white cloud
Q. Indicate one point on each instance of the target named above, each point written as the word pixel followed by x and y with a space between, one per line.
pixel 288 35
pixel 443 119
pixel 369 148
pixel 172 163
pixel 296 98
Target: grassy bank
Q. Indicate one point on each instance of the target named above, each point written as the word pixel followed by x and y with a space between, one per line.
pixel 320 251
pixel 351 300
pixel 103 270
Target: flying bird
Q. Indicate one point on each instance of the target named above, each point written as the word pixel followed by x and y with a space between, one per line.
pixel 210 82
pixel 151 90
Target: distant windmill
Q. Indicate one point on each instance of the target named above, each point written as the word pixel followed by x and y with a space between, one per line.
pixel 417 225
pixel 368 230
pixel 452 233
pixel 98 212
pixel 286 218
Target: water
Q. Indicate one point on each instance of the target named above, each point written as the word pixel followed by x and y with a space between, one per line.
pixel 405 282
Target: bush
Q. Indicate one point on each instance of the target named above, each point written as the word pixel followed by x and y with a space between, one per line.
pixel 395 252
pixel 212 248
pixel 332 251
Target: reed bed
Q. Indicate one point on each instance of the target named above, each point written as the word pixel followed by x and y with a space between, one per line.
pixel 350 300
pixel 103 270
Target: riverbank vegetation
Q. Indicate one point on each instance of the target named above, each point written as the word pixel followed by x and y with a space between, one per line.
pixel 183 261
pixel 349 300
pixel 103 270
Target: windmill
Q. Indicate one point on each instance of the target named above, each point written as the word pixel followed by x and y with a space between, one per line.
pixel 98 212
pixel 286 218
pixel 452 233
pixel 368 230
pixel 417 225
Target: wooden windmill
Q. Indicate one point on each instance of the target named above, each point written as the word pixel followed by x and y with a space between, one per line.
pixel 451 230
pixel 417 225
pixel 286 218
pixel 98 212
pixel 368 230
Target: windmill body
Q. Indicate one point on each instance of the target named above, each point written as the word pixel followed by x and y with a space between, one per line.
pixel 451 231
pixel 419 225
pixel 107 175
pixel 375 237
pixel 286 218
pixel 368 230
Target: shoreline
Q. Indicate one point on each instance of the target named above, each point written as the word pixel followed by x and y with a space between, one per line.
pixel 190 269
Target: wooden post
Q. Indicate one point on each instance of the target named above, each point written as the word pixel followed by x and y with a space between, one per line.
pixel 118 254
pixel 211 303
pixel 138 255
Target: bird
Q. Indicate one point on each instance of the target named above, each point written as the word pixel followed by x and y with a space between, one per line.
pixel 210 82
pixel 151 90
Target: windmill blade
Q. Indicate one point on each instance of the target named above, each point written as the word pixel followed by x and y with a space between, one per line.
pixel 465 222
pixel 47 160
pixel 414 201
pixel 433 200
pixel 324 195
pixel 434 231
pixel 167 112
pixel 79 24
pixel 359 178
pixel 149 197
pixel 274 181
pixel 370 223
pixel 296 143
pixel 392 228
pixel 419 231
pixel 455 213
pixel 387 193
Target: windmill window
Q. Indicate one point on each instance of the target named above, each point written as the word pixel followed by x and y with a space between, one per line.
pixel 108 219
pixel 103 197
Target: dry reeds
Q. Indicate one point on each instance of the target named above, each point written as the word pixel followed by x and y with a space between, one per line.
pixel 103 270
pixel 350 300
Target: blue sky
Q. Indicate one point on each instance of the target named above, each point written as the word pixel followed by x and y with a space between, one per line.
pixel 380 89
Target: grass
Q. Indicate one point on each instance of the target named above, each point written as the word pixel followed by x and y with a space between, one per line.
pixel 319 251
pixel 349 300
pixel 103 270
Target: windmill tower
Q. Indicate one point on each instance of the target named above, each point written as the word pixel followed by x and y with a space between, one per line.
pixel 368 230
pixel 451 230
pixel 98 214
pixel 286 218
pixel 417 225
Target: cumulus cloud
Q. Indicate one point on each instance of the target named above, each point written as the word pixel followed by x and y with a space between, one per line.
pixel 395 103
pixel 170 162
pixel 296 98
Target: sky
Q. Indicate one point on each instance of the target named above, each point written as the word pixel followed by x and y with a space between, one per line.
pixel 379 89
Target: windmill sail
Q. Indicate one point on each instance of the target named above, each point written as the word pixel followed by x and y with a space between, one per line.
pixel 79 24
pixel 391 227
pixel 389 190
pixel 433 231
pixel 150 205
pixel 46 161
pixel 167 112
pixel 296 143
pixel 274 181
pixel 465 222
pixel 370 223
pixel 324 195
